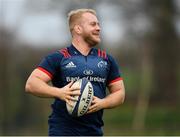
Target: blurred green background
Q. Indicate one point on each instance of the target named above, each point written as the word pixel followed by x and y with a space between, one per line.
pixel 144 37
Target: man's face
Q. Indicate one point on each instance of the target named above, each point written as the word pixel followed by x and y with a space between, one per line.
pixel 90 29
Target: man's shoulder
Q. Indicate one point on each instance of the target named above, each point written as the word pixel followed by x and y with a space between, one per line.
pixel 104 54
pixel 54 55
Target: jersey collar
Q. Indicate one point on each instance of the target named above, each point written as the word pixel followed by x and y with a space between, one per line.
pixel 74 51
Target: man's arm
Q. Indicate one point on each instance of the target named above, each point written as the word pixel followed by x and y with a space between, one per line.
pixel 115 98
pixel 37 84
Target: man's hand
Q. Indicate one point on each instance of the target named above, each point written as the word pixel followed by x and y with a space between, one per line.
pixel 96 105
pixel 67 93
pixel 37 84
pixel 114 99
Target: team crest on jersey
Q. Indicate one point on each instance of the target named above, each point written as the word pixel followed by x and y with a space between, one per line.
pixel 102 64
pixel 70 65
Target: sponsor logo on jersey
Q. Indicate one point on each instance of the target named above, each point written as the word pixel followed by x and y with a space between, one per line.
pixel 70 65
pixel 88 72
pixel 90 78
pixel 102 64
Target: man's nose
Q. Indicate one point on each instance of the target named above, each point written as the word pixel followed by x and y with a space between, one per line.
pixel 98 28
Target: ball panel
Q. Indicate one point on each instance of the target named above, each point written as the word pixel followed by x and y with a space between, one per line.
pixel 70 109
pixel 81 106
pixel 84 82
pixel 86 99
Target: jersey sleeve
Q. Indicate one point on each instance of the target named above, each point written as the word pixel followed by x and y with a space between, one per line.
pixel 114 72
pixel 50 64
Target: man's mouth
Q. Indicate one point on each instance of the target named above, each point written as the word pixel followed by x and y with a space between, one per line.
pixel 96 34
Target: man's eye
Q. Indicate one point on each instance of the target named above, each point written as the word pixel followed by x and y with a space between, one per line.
pixel 93 24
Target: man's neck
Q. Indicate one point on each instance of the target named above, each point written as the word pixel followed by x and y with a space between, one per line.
pixel 82 47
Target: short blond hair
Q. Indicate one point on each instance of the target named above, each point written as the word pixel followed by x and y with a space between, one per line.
pixel 75 15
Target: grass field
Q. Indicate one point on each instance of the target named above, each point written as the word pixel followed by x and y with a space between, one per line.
pixel 160 120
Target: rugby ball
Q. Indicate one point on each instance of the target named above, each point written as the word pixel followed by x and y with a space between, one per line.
pixel 80 107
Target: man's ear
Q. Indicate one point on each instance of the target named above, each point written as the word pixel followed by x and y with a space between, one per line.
pixel 78 29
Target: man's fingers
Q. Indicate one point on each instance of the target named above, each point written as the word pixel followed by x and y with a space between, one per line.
pixel 76 93
pixel 72 98
pixel 91 111
pixel 94 97
pixel 94 100
pixel 70 84
pixel 69 102
pixel 92 107
pixel 75 88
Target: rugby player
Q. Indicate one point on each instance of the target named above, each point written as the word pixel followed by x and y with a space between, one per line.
pixel 79 59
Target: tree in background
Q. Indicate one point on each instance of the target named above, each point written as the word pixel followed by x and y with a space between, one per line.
pixel 160 60
pixel 164 39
